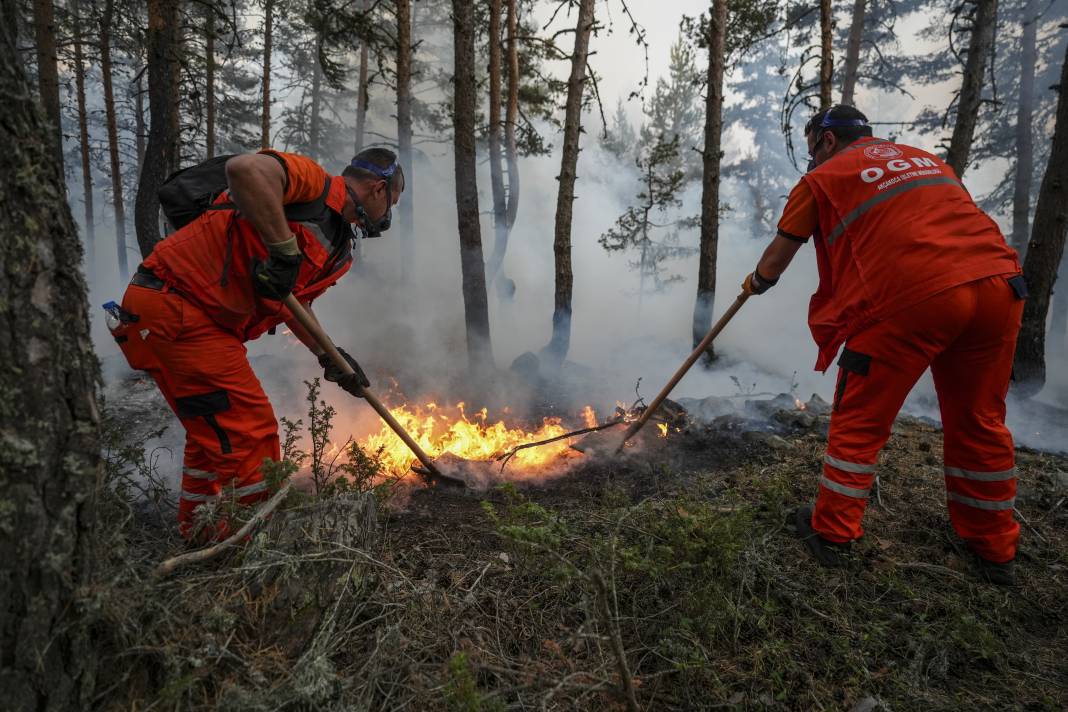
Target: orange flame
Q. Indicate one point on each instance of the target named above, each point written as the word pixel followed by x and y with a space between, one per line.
pixel 449 429
pixel 663 429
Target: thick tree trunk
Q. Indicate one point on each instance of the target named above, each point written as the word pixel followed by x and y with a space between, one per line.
pixel 971 89
pixel 511 117
pixel 1021 193
pixel 140 129
pixel 49 464
pixel 83 140
pixel 268 41
pixel 706 272
pixel 852 58
pixel 209 81
pixel 561 338
pixel 405 210
pixel 500 204
pixel 316 97
pixel 163 110
pixel 1045 251
pixel 113 140
pixel 826 53
pixel 44 27
pixel 362 98
pixel 472 264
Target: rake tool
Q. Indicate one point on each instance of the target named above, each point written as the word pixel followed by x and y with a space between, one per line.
pixel 430 471
pixel 690 361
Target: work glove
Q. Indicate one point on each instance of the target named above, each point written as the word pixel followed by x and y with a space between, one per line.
pixel 353 383
pixel 275 278
pixel 755 284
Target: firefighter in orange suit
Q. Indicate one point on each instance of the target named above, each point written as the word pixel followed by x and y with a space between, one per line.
pixel 912 276
pixel 218 282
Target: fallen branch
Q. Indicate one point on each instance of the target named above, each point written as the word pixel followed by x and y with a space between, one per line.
pixel 511 453
pixel 167 567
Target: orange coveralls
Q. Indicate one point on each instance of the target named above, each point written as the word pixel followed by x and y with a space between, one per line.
pixel 195 307
pixel 912 275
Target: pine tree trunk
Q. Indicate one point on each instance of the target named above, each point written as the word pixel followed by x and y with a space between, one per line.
pixel 500 204
pixel 268 40
pixel 826 53
pixel 83 140
pixel 706 272
pixel 971 90
pixel 362 98
pixel 139 128
pixel 113 140
pixel 161 151
pixel 1045 251
pixel 472 264
pixel 44 26
pixel 560 343
pixel 405 209
pixel 316 97
pixel 209 81
pixel 852 58
pixel 1021 193
pixel 50 460
pixel 511 117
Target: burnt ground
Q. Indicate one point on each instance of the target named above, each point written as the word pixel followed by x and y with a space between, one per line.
pixel 665 579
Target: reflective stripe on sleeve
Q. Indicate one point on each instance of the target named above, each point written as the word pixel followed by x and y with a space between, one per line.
pixel 199 474
pixel 854 467
pixel 981 476
pixel 250 489
pixel 842 489
pixel 994 506
pixel 197 497
pixel 893 192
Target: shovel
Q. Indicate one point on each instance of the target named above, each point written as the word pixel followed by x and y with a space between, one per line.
pixel 430 472
pixel 690 361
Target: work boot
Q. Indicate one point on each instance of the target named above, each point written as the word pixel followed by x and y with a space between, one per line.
pixel 1003 574
pixel 828 553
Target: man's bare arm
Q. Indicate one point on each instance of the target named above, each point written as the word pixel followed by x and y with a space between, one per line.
pixel 777 257
pixel 257 185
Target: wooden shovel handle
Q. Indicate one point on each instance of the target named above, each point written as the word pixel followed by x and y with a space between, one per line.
pixel 312 326
pixel 690 361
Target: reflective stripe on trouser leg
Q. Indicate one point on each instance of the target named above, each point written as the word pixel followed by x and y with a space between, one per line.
pixel 844 490
pixel 972 378
pixel 200 485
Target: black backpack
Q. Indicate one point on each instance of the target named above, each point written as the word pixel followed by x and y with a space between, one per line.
pixel 188 193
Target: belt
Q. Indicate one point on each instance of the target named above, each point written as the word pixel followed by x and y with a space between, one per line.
pixel 144 277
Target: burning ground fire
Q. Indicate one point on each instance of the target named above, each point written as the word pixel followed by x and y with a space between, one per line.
pixel 441 430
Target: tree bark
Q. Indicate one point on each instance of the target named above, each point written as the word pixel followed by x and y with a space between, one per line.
pixel 362 98
pixel 706 273
pixel 512 116
pixel 83 140
pixel 316 96
pixel 209 81
pixel 161 151
pixel 852 58
pixel 826 53
pixel 1045 251
pixel 500 204
pixel 561 338
pixel 139 128
pixel 44 27
pixel 1058 317
pixel 971 90
pixel 113 140
pixel 472 264
pixel 268 31
pixel 1021 193
pixel 50 461
pixel 405 209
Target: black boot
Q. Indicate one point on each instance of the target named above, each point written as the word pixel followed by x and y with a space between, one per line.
pixel 827 553
pixel 999 574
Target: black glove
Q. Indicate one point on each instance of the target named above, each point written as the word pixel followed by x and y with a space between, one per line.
pixel 275 278
pixel 755 284
pixel 353 383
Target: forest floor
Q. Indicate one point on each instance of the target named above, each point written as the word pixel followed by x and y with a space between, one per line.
pixel 666 579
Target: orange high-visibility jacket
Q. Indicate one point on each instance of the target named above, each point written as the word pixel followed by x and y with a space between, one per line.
pixel 895 227
pixel 210 260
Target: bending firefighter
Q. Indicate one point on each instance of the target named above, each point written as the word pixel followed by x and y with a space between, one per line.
pixel 279 225
pixel 912 276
